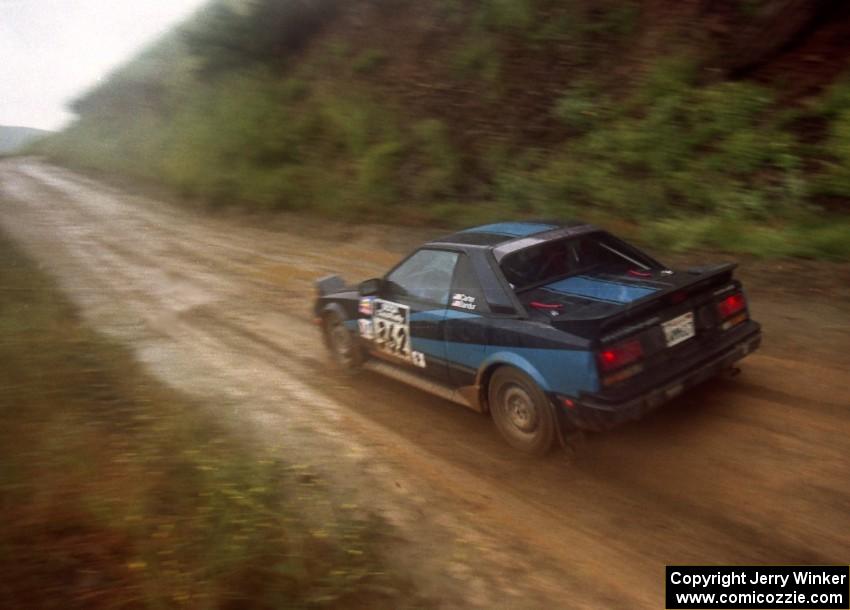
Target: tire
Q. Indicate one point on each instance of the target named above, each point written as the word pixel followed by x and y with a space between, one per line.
pixel 342 344
pixel 521 412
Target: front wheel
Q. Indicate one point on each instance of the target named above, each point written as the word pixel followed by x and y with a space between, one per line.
pixel 341 343
pixel 521 412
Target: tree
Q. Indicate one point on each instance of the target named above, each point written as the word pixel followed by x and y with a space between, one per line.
pixel 260 32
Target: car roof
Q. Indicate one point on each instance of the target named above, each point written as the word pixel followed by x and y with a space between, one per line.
pixel 505 237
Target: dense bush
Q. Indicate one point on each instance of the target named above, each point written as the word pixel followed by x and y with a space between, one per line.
pixel 227 35
pixel 339 134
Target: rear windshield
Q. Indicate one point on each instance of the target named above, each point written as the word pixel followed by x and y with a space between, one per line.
pixel 554 260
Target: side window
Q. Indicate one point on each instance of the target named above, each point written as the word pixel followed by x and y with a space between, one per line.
pixel 426 275
pixel 467 294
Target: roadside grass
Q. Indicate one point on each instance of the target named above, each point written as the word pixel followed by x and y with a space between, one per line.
pixel 117 492
pixel 815 239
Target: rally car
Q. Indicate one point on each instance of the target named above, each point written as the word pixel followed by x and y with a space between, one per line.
pixel 549 327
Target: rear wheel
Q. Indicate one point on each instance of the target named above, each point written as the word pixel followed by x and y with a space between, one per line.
pixel 521 411
pixel 341 342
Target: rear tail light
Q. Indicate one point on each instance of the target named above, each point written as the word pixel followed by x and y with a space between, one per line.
pixel 732 310
pixel 734 303
pixel 620 355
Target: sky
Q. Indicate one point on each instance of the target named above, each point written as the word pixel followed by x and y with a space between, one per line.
pixel 53 50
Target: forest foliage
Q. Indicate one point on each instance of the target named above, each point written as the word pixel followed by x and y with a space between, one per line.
pixel 459 111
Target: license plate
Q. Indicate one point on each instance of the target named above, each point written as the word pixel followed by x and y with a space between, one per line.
pixel 679 329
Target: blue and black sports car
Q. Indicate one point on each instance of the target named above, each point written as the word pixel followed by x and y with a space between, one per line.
pixel 550 328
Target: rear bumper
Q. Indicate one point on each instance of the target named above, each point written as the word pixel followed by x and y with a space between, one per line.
pixel 595 412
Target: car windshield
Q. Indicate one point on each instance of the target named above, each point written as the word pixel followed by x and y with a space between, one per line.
pixel 551 261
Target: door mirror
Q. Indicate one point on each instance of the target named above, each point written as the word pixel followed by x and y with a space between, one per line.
pixel 371 287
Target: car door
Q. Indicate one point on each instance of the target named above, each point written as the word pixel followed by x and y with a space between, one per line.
pixel 406 318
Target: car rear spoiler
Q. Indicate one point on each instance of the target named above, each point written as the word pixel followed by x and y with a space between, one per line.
pixel 692 281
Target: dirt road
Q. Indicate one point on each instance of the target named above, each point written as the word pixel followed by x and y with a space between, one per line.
pixel 750 470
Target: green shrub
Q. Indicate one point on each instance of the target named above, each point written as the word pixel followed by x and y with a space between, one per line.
pixel 723 109
pixel 617 21
pixel 672 76
pixel 466 214
pixel 378 174
pixel 500 15
pixel 834 180
pixel 294 89
pixel 742 152
pixel 353 122
pixel 275 189
pixel 836 99
pixel 676 235
pixel 226 36
pixel 822 241
pixel 437 171
pixel 580 108
pixel 829 241
pixel 369 61
pixel 450 9
pixel 566 22
pixel 477 59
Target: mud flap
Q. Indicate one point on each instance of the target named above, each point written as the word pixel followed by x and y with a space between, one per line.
pixel 569 437
pixel 329 285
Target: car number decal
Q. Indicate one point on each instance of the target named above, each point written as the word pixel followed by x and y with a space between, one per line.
pixel 390 330
pixel 366 329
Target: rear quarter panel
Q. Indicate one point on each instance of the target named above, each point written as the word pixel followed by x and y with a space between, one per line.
pixel 557 361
